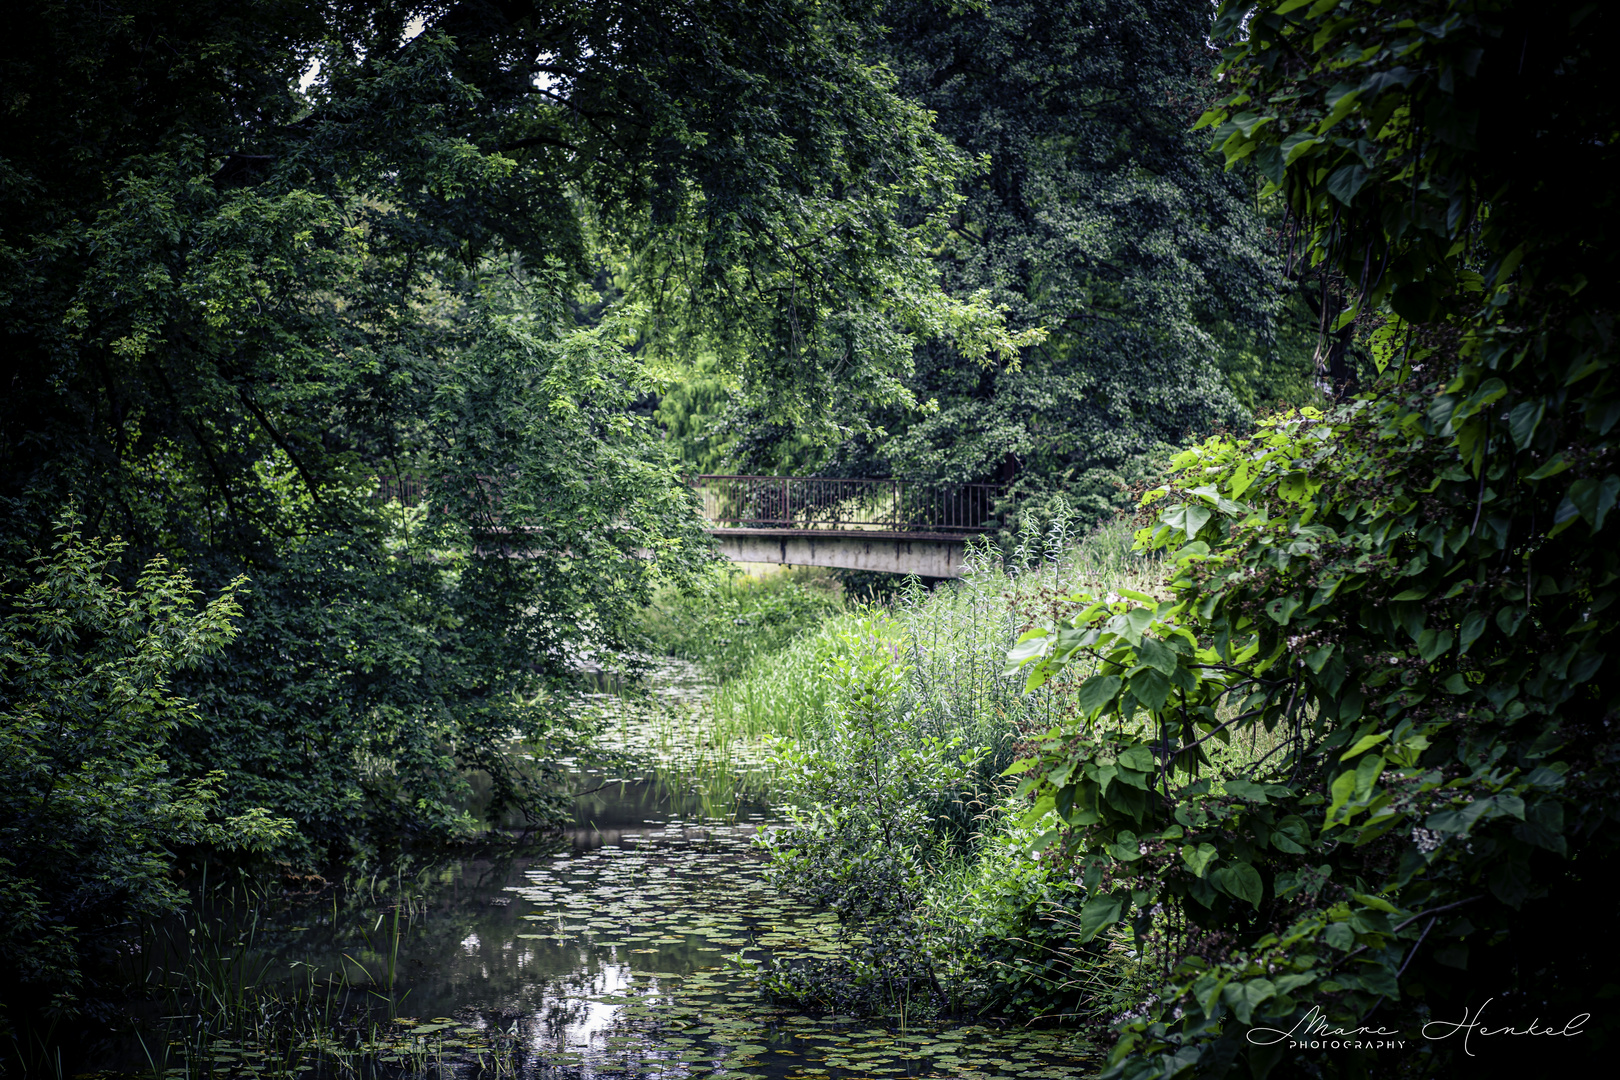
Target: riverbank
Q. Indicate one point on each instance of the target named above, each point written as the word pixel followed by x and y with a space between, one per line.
pixel 693 921
pixel 627 947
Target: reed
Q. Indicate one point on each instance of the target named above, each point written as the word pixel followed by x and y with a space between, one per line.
pixel 953 639
pixel 225 1008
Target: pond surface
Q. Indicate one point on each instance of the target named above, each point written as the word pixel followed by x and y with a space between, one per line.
pixel 619 949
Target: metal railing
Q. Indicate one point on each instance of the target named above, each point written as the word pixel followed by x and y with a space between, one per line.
pixel 407 489
pixel 794 502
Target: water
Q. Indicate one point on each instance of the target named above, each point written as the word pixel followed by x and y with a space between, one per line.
pixel 619 949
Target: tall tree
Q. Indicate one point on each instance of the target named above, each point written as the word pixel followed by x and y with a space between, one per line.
pixel 267 263
pixel 1094 214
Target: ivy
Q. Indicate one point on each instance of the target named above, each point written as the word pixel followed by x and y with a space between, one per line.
pixel 1400 607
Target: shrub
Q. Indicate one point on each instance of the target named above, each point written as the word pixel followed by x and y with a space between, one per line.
pixel 896 724
pixel 737 617
pixel 89 817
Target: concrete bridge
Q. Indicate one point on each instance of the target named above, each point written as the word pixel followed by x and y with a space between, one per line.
pixel 891 526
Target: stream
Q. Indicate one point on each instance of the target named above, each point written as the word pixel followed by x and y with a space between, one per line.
pixel 617 949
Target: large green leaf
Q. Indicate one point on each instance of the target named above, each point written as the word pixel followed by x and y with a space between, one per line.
pixel 1240 880
pixel 1099 913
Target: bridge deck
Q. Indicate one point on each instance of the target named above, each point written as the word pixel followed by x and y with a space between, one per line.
pixel 889 525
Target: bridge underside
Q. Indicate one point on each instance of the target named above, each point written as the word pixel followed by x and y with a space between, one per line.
pixel 924 554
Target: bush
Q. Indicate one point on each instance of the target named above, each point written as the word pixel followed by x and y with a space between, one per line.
pixel 1413 595
pixel 89 817
pixel 896 725
pixel 736 617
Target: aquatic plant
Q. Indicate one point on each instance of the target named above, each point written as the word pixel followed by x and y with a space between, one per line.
pixel 734 617
pixel 894 725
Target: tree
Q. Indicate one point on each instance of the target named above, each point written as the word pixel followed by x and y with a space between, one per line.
pixel 268 263
pixel 1409 598
pixel 1095 215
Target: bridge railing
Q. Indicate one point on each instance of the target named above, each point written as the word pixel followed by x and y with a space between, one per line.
pixel 832 503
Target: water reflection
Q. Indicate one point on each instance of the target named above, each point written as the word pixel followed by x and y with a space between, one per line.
pixel 605 950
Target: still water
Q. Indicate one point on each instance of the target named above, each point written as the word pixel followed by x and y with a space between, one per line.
pixel 618 949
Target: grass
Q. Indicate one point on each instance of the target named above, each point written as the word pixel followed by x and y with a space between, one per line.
pixel 954 640
pixel 738 617
pixel 1005 920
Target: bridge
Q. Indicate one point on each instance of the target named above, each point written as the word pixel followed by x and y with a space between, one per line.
pixel 891 526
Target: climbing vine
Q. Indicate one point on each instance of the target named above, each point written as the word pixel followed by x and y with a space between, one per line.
pixel 1402 607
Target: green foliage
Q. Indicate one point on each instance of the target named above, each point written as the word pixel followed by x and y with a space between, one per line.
pixel 859 841
pixel 1096 216
pixel 1411 595
pixel 691 412
pixel 736 619
pixel 895 724
pixel 239 301
pixel 90 817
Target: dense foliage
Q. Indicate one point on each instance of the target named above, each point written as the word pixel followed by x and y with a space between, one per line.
pixel 90 815
pixel 308 293
pixel 894 723
pixel 353 304
pixel 1406 601
pixel 1095 215
pixel 735 619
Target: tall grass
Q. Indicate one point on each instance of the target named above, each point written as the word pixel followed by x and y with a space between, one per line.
pixel 989 922
pixel 738 617
pixel 953 640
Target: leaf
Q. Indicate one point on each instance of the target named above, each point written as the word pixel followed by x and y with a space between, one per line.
pixel 1343 787
pixel 1137 757
pixel 1282 608
pixel 1523 420
pixel 1291 835
pixel 1362 744
pixel 1339 936
pixel 1239 788
pixel 1473 625
pixel 1099 913
pixel 1198 858
pixel 1032 645
pixel 1244 997
pixel 1097 691
pixel 1377 903
pixel 1298 144
pixel 1151 688
pixel 1510 881
pixel 1241 881
pixel 1156 655
pixel 1268 159
pixel 1432 643
pixel 1379 81
pixel 1346 181
pixel 1297 486
pixel 1594 498
pixel 1188 517
pixel 1557 464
